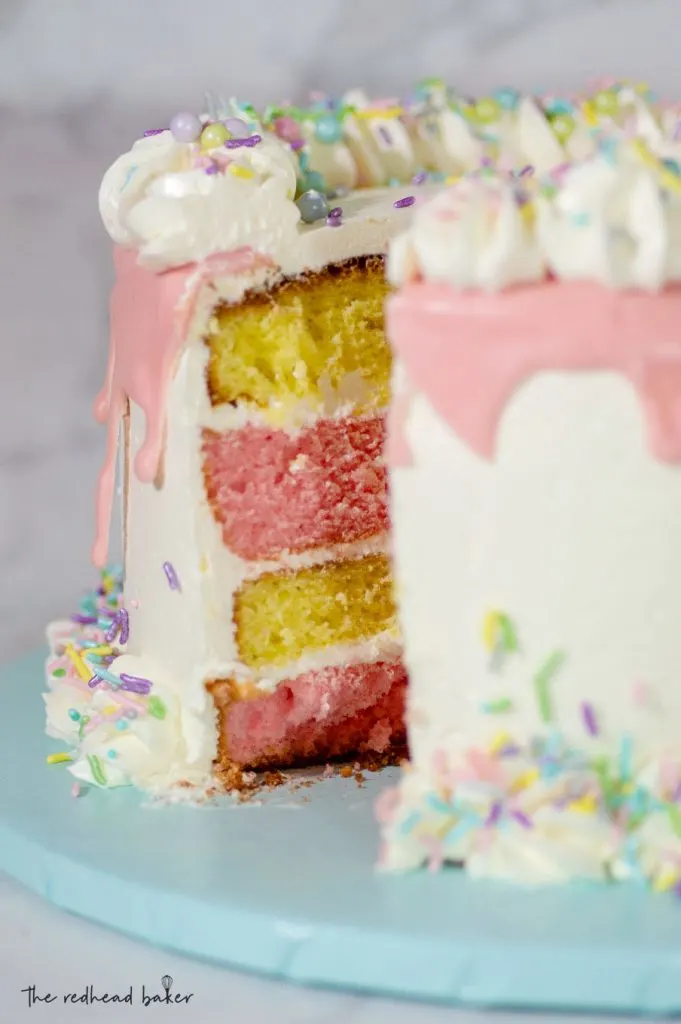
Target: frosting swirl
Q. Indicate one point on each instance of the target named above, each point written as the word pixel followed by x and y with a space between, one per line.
pixel 176 204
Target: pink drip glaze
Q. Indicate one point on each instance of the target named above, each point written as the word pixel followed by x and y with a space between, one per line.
pixel 150 313
pixel 469 352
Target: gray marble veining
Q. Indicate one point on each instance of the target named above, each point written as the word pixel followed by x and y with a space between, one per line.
pixel 79 80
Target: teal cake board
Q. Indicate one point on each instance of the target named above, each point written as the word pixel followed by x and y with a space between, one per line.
pixel 287 888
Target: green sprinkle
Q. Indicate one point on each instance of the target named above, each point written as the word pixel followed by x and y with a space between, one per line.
pixel 542 680
pixel 156 707
pixel 96 769
pixel 674 813
pixel 81 727
pixel 507 634
pixel 59 672
pixel 497 707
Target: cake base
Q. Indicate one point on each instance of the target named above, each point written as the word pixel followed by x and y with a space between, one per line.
pixel 286 887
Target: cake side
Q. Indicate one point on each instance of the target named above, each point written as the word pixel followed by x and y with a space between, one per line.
pixel 535 487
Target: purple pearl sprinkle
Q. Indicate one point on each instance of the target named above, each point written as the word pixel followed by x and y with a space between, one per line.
pixel 171 576
pixel 236 127
pixel 154 131
pixel 419 178
pixel 333 222
pixel 85 620
pixel 186 127
pixel 135 684
pixel 399 204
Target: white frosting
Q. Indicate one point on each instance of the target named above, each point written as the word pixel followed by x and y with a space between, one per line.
pixel 155 200
pixel 572 532
pixel 471 235
pixel 614 219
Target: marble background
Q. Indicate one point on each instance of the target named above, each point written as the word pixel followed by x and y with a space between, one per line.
pixel 79 80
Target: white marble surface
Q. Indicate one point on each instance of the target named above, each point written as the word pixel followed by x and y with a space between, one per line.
pixel 78 81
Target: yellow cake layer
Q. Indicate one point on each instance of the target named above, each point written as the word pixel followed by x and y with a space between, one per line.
pixel 300 340
pixel 282 615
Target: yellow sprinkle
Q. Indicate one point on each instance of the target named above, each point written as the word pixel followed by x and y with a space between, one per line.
pixel 203 564
pixel 490 625
pixel 670 181
pixel 240 172
pixel 110 709
pixel 525 780
pixel 371 112
pixel 453 179
pixel 529 214
pixel 103 650
pixel 666 879
pixel 590 114
pixel 501 740
pixel 58 758
pixel 81 668
pixel 644 154
pixel 585 805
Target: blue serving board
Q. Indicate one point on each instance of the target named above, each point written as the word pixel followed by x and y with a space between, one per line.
pixel 288 888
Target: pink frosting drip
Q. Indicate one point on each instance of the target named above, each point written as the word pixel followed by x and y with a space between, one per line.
pixel 469 352
pixel 150 314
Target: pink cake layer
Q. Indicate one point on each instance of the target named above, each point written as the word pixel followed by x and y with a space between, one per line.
pixel 272 491
pixel 319 715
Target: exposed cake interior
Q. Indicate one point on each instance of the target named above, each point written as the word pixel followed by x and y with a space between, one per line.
pixel 310 358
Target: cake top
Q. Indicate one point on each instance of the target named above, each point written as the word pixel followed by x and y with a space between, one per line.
pixel 612 218
pixel 233 176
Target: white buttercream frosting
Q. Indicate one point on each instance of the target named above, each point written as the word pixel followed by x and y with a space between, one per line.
pixel 615 223
pixel 160 199
pixel 614 218
pixel 473 235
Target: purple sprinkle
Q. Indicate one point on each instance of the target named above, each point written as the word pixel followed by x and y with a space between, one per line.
pixel 171 576
pixel 251 141
pixel 124 620
pixel 527 170
pixel 212 169
pixel 677 131
pixel 589 717
pixel 677 889
pixel 297 144
pixel 399 204
pixel 494 814
pixel 419 178
pixel 116 625
pixel 677 794
pixel 333 222
pixel 154 131
pixel 522 819
pixel 85 620
pixel 135 684
pixel 486 161
pixel 95 681
pixel 385 134
pixel 336 212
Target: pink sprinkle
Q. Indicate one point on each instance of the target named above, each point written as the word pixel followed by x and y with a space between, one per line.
pixel 435 852
pixel 399 204
pixel 589 716
pixel 641 694
pixel 386 805
pixel 171 576
pixel 75 790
